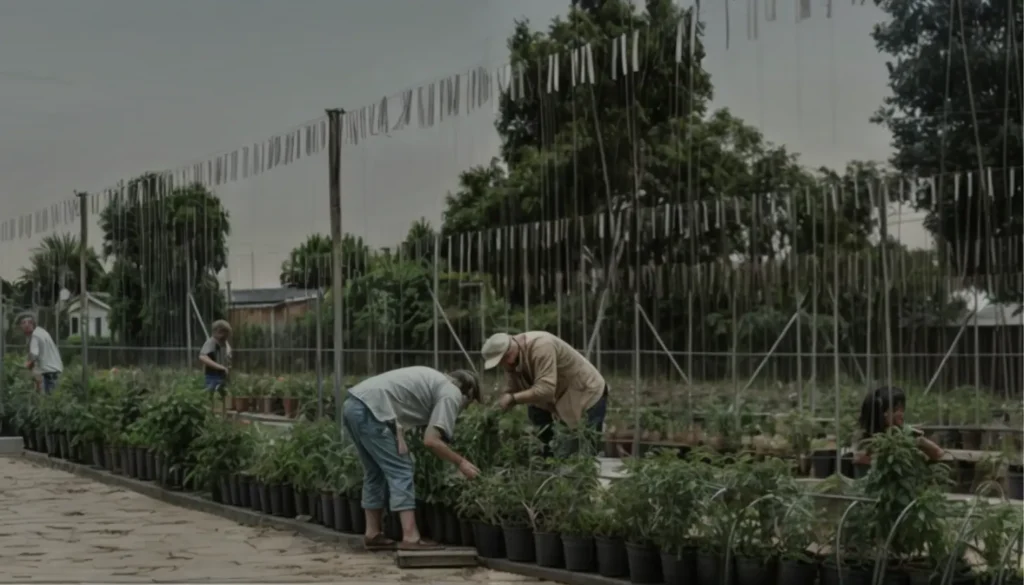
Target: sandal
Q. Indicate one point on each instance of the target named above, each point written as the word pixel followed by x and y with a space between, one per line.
pixel 379 542
pixel 421 544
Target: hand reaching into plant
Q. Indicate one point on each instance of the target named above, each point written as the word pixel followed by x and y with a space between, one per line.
pixel 468 469
pixel 507 401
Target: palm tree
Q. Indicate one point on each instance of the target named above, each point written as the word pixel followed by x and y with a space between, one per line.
pixel 54 265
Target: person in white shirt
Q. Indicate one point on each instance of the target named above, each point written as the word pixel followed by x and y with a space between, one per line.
pixel 43 357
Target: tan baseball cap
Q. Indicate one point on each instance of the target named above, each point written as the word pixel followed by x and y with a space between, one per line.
pixel 495 348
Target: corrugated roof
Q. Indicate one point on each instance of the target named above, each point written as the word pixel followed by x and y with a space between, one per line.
pixel 269 296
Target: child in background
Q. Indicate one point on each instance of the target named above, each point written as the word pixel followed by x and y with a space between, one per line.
pixel 215 356
pixel 884 408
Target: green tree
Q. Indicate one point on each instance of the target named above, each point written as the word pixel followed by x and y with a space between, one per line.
pixel 56 264
pixel 309 264
pixel 955 77
pixel 164 245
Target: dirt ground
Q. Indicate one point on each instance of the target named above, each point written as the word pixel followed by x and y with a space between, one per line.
pixel 57 527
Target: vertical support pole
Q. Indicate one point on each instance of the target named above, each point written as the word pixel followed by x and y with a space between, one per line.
pixel 273 341
pixel 188 303
pixel 83 268
pixel 636 323
pixel 334 122
pixel 436 282
pixel 319 354
pixel 558 304
pixel 3 347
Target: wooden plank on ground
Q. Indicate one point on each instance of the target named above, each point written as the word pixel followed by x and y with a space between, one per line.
pixel 436 559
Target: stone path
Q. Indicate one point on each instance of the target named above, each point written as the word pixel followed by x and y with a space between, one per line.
pixel 58 527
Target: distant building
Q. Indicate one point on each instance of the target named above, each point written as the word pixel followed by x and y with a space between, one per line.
pixel 263 306
pixel 99 316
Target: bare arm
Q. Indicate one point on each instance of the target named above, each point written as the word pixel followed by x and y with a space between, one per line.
pixel 432 440
pixel 933 451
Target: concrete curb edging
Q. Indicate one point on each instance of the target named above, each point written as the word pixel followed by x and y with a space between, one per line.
pixel 247 517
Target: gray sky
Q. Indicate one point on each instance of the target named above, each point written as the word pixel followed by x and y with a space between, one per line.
pixel 95 91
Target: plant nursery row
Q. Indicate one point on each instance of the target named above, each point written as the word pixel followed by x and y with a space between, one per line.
pixel 706 518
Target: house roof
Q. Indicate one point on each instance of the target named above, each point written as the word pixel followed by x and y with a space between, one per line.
pixel 269 296
pixel 98 299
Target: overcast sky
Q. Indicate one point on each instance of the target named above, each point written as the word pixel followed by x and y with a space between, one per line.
pixel 95 91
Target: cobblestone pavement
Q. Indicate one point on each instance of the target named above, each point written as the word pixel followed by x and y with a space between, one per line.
pixel 58 527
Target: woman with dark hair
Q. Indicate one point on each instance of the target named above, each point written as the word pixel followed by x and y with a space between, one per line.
pixel 884 408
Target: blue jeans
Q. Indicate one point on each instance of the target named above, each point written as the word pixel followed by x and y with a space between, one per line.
pixel 213 380
pixel 542 419
pixel 384 470
pixel 50 381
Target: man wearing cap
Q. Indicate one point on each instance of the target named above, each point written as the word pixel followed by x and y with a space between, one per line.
pixel 374 414
pixel 551 378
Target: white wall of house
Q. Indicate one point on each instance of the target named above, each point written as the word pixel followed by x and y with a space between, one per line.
pixel 99 318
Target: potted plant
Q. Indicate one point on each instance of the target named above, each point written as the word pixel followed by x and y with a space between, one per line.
pixel 578 530
pixel 795 536
pixel 479 504
pixel 634 503
pixel 609 535
pixel 521 487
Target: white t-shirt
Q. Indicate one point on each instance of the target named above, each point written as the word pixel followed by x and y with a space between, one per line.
pixel 43 352
pixel 416 396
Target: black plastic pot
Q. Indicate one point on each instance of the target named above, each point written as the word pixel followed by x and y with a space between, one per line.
pixel 313 504
pixel 287 500
pixel 436 522
pixel 96 454
pixel 265 499
pixel 679 569
pixel 519 545
pixel 466 533
pixel 326 515
pixel 111 457
pixel 549 549
pixel 709 568
pixel 150 458
pixel 245 492
pixel 40 440
pixel 846 466
pixel 343 519
pixel 276 492
pixel 823 463
pixel 224 485
pixel 254 495
pixel 832 575
pixel 755 571
pixel 1015 482
pixel 235 489
pixel 355 510
pixel 300 502
pixel 580 555
pixel 490 541
pixel 798 572
pixel 612 560
pixel 392 526
pixel 423 513
pixel 141 472
pixel 644 563
pixel 63 447
pixel 452 532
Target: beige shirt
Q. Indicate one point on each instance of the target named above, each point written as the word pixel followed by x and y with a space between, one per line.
pixel 553 371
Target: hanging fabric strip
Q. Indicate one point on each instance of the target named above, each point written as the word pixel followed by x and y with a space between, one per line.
pixel 680 26
pixel 372 115
pixel 520 82
pixel 803 10
pixel 406 116
pixel 553 73
pixel 771 10
pixel 635 60
pixel 574 63
pixel 728 25
pixel 615 57
pixel 694 24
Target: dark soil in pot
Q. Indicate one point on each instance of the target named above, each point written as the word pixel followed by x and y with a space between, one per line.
pixel 466 533
pixel 355 508
pixel 549 549
pixel 224 487
pixel 490 540
pixel 255 495
pixel 580 555
pixel 709 568
pixel 823 463
pixel 679 569
pixel 612 560
pixel 755 571
pixel 265 499
pixel 343 511
pixel 644 563
pixel 792 572
pixel 326 511
pixel 452 530
pixel 519 544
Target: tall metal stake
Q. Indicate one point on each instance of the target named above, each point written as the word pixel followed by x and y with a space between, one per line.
pixel 319 354
pixel 437 309
pixel 83 265
pixel 188 303
pixel 334 118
